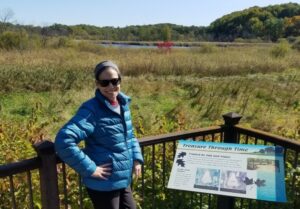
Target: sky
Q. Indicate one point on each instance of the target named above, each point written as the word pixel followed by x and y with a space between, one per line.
pixel 121 13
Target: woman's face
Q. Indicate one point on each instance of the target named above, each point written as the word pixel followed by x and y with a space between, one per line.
pixel 110 91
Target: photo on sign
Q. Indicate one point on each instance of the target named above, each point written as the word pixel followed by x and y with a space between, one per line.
pixel 263 164
pixel 207 179
pixel 233 181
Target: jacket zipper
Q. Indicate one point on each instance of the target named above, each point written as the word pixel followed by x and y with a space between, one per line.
pixel 122 116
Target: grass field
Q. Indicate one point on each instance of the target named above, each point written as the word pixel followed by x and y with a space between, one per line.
pixel 184 89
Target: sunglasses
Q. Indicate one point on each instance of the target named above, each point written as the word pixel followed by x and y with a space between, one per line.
pixel 114 82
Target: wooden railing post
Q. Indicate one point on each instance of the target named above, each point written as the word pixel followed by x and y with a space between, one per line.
pixel 230 136
pixel 48 175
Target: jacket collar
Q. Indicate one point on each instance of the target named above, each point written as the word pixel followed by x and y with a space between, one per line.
pixel 122 98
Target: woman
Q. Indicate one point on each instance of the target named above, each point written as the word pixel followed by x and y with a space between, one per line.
pixel 111 151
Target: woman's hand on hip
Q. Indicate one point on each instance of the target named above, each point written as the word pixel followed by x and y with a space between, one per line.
pixel 137 168
pixel 102 171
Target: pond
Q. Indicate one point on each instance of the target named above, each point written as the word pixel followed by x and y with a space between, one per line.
pixel 136 46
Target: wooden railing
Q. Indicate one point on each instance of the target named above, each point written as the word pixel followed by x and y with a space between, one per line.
pixel 60 189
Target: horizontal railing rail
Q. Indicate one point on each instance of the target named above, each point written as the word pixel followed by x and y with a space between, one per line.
pixel 272 138
pixel 19 167
pixel 150 140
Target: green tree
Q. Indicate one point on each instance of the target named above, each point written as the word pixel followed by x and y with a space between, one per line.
pixel 145 34
pixel 256 26
pixel 166 33
pixel 80 32
pixel 274 28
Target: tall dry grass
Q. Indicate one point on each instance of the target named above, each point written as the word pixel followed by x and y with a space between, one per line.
pixel 46 69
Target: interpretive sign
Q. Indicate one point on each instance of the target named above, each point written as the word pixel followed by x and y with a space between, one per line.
pixel 239 170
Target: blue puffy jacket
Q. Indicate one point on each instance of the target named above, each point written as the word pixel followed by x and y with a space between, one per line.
pixel 108 137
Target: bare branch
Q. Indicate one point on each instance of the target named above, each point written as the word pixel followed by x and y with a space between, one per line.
pixel 6 15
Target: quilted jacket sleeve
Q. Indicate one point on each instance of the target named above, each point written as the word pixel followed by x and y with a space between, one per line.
pixel 77 129
pixel 137 154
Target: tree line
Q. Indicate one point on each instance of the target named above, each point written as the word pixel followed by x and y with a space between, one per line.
pixel 257 23
pixel 266 23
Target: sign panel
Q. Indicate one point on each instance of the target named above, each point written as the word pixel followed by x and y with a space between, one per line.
pixel 239 170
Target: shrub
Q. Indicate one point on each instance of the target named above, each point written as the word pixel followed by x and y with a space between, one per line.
pixel 208 48
pixel 205 48
pixel 35 42
pixel 239 40
pixel 14 40
pixel 86 46
pixel 296 44
pixel 281 49
pixel 64 42
pixel 56 42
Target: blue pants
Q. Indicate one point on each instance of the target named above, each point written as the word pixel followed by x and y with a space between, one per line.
pixel 117 199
